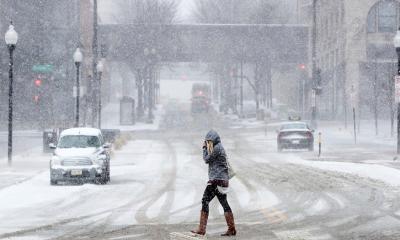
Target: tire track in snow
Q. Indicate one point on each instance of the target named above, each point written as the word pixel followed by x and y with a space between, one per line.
pixel 167 187
pixel 318 182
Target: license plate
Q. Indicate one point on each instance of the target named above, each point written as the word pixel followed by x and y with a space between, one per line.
pixel 77 172
pixel 296 141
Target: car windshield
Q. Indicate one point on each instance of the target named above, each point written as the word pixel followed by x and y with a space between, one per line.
pixel 79 141
pixel 294 126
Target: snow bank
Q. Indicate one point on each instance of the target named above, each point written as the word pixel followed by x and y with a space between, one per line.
pixel 388 175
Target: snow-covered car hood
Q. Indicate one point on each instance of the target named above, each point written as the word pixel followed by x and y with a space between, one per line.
pixel 75 152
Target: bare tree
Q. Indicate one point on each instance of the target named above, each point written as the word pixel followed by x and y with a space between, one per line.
pixel 229 52
pixel 148 20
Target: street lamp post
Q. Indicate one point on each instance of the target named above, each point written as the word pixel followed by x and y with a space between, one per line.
pixel 100 69
pixel 317 90
pixel 150 57
pixel 77 59
pixel 353 103
pixel 396 42
pixel 11 39
pixel 146 84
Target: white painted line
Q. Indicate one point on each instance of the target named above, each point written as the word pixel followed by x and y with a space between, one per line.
pixel 185 236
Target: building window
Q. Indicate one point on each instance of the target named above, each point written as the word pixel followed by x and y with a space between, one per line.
pixel 384 17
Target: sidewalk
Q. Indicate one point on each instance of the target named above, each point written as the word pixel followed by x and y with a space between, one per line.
pixel 110 119
pixel 23 133
pixel 365 133
pixel 24 166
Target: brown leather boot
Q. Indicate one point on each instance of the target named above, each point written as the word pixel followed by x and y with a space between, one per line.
pixel 203 224
pixel 230 221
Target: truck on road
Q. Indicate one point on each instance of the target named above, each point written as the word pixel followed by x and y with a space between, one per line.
pixel 200 98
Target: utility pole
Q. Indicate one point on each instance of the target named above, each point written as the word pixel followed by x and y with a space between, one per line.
pixel 376 95
pixel 139 84
pixel 396 42
pixel 241 78
pixel 353 103
pixel 314 61
pixel 95 87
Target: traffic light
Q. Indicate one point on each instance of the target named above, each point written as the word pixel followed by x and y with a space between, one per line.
pixel 37 90
pixel 302 67
pixel 38 82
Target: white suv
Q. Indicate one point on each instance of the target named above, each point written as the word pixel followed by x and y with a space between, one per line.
pixel 80 155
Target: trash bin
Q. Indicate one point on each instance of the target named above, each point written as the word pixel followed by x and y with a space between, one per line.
pixel 49 136
pixel 260 115
pixel 110 135
pixel 127 111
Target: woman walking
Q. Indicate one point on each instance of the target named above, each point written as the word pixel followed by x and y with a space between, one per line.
pixel 214 155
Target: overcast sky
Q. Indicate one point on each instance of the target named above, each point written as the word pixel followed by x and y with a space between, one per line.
pixel 185 8
pixel 107 10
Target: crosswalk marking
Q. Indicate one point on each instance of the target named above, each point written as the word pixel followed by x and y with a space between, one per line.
pixel 185 236
pixel 301 235
pixel 274 215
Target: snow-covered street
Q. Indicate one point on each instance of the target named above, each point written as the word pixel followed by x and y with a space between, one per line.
pixel 158 179
pixel 200 119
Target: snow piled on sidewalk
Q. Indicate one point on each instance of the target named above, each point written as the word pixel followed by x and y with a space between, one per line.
pixel 388 175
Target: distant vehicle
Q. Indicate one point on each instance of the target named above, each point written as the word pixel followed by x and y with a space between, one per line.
pixel 281 111
pixel 80 155
pixel 249 109
pixel 295 135
pixel 201 97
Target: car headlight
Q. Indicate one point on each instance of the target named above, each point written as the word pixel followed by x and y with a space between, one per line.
pixel 55 160
pixel 101 159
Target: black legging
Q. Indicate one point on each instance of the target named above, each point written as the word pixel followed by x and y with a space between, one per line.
pixel 209 193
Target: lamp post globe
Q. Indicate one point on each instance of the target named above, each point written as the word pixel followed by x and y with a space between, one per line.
pixel 396 39
pixel 78 57
pixel 100 66
pixel 11 36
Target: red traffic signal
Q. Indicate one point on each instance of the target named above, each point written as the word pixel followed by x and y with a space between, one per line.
pixel 302 66
pixel 38 82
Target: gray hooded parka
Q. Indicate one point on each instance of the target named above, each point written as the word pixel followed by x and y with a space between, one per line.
pixel 217 165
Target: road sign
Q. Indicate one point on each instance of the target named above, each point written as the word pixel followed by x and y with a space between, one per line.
pixel 397 88
pixel 82 91
pixel 46 68
pixel 313 98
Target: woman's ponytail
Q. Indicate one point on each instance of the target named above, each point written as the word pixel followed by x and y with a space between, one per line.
pixel 210 147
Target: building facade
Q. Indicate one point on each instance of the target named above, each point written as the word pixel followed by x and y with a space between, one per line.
pixel 354 54
pixel 49 32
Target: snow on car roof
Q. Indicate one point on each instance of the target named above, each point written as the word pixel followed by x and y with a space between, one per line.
pixel 81 131
pixel 293 126
pixel 289 123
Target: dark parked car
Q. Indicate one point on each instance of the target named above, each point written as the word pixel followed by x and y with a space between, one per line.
pixel 295 135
